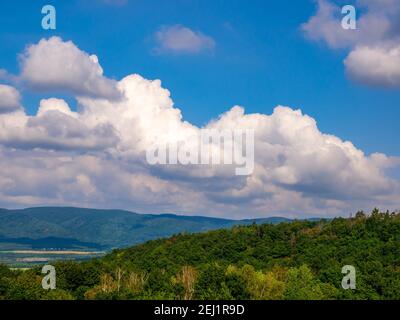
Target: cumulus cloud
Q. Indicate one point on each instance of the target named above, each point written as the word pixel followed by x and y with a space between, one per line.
pixel 375 65
pixel 10 99
pixel 182 40
pixel 96 156
pixel 326 26
pixel 55 127
pixel 373 45
pixel 55 65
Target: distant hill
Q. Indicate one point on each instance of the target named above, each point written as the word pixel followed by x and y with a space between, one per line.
pixel 69 227
pixel 48 243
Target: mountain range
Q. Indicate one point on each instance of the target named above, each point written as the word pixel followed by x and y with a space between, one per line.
pixel 69 227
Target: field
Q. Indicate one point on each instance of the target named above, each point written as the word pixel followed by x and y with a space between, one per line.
pixel 20 257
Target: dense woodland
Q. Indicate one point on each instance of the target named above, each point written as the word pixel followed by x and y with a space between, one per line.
pixel 296 260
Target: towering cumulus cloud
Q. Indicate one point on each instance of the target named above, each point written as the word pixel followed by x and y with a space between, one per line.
pixel 96 156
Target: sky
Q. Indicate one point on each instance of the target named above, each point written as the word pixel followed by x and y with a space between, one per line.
pixel 79 107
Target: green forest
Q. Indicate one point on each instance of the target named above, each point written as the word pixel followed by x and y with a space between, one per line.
pixel 290 260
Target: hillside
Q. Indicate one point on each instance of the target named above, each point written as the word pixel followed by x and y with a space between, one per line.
pixel 70 227
pixel 297 260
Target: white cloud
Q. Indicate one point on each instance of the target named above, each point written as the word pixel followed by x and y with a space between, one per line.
pixel 375 65
pixel 374 42
pixel 55 65
pixel 55 127
pixel 326 26
pixel 96 157
pixel 10 99
pixel 180 39
pixel 52 105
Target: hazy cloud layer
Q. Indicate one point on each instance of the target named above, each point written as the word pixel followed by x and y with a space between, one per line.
pixel 96 157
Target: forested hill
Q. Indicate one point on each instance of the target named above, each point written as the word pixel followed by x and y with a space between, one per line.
pixel 297 260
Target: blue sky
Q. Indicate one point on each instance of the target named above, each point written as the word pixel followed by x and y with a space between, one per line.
pixel 261 59
pixel 72 135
